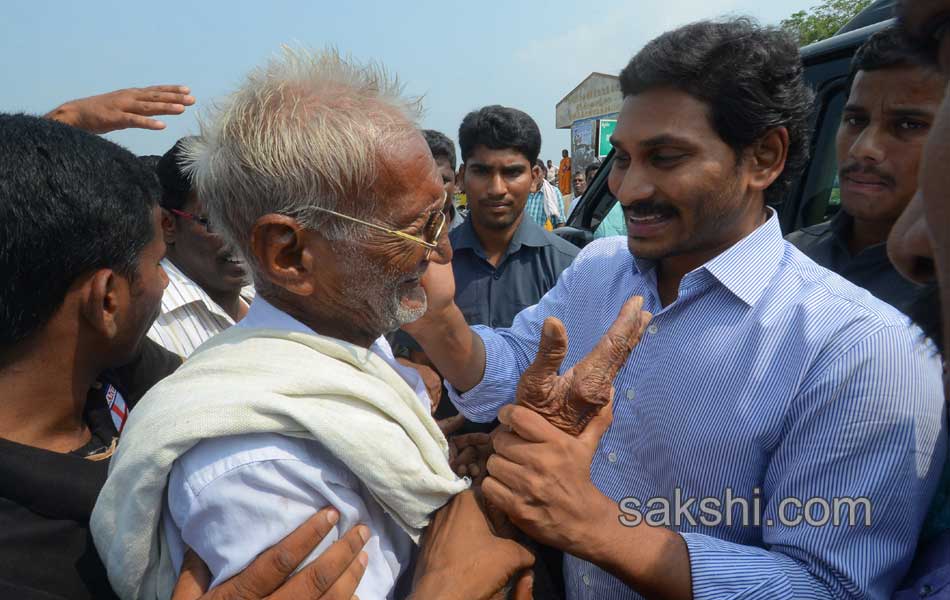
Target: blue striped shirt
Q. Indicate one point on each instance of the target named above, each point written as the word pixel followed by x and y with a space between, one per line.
pixel 768 377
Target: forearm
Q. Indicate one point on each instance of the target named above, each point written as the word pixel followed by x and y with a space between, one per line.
pixel 654 561
pixel 457 353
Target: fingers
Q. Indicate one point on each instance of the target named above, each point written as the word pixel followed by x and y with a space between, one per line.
pixel 552 348
pixel 275 564
pixel 599 425
pixel 528 424
pixel 504 471
pixel 134 121
pixel 451 424
pixel 613 349
pixel 514 448
pixel 150 109
pixel 194 578
pixel 497 493
pixel 524 587
pixel 335 574
pixel 170 94
pixel 175 89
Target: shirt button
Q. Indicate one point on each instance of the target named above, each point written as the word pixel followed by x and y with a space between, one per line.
pixel 926 591
pixel 631 394
pixel 497 276
pixel 612 457
pixel 586 579
pixel 652 329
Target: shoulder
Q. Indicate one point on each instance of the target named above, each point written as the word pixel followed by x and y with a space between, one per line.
pixel 251 456
pixel 809 235
pixel 560 246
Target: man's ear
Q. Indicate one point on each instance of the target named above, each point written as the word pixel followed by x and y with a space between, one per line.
pixel 169 227
pixel 280 247
pixel 105 295
pixel 767 158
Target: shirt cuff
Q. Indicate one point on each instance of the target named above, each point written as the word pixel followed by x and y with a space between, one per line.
pixel 722 569
pixel 482 403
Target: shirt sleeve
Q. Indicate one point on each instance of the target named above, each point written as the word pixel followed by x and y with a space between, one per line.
pixel 230 504
pixel 866 432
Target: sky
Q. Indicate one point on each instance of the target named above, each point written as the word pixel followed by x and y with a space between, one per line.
pixel 458 56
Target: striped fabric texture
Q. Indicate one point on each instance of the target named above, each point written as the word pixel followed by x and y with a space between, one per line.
pixel 189 316
pixel 768 377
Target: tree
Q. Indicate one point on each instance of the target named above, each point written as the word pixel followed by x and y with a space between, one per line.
pixel 822 21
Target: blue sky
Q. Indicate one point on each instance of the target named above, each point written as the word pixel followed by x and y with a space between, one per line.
pixel 460 56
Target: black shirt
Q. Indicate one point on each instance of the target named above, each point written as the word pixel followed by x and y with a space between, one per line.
pixel 493 296
pixel 827 245
pixel 46 498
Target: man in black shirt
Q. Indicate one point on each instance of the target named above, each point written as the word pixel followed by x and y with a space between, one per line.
pixel 893 100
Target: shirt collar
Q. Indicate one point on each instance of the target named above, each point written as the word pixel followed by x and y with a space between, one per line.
pixel 746 268
pixel 184 291
pixel 528 233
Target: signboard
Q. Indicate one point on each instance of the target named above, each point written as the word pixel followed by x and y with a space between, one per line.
pixel 607 127
pixel 596 96
pixel 582 145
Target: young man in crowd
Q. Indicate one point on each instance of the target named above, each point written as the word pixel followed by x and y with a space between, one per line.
pixel 761 376
pixel 502 260
pixel 544 203
pixel 208 288
pixel 891 106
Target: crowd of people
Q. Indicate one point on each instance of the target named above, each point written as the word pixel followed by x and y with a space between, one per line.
pixel 278 361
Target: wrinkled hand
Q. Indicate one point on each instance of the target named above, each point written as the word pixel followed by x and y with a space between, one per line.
pixel 462 560
pixel 124 109
pixel 334 575
pixel 571 400
pixel 468 455
pixel 431 380
pixel 539 476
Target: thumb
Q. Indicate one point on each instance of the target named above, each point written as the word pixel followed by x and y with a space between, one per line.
pixel 552 348
pixel 599 425
pixel 194 579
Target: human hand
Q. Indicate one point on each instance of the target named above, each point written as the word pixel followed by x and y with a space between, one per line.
pixel 468 455
pixel 334 575
pixel 539 476
pixel 431 380
pixel 571 400
pixel 124 109
pixel 461 559
pixel 439 284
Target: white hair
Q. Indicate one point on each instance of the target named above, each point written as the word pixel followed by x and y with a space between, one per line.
pixel 305 130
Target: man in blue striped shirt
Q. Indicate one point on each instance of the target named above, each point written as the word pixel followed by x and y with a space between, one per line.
pixel 777 432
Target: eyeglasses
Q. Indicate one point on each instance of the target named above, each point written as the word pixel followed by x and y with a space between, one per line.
pixel 201 220
pixel 432 230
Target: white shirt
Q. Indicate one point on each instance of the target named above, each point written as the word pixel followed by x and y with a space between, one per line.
pixel 231 498
pixel 189 316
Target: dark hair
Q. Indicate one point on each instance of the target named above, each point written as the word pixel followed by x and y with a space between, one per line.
pixel 886 49
pixel 564 152
pixel 590 171
pixel 176 185
pixel 750 76
pixel 440 145
pixel 70 203
pixel 541 164
pixel 150 161
pixel 499 128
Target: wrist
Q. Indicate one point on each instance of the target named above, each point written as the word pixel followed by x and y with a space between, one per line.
pixel 596 535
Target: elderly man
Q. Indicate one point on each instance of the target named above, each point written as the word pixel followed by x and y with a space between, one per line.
pixel 763 379
pixel 316 172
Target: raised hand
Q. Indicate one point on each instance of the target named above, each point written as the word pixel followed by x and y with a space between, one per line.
pixel 571 400
pixel 124 109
